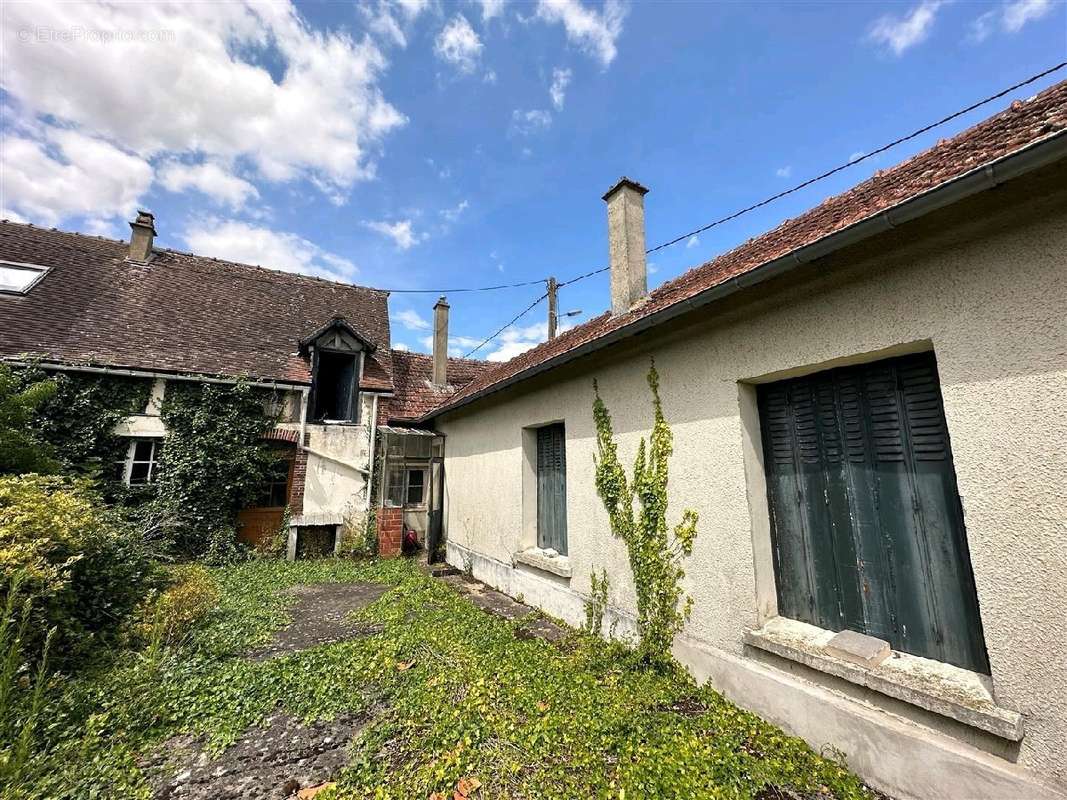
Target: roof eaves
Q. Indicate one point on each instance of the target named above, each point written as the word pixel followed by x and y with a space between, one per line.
pixel 1032 156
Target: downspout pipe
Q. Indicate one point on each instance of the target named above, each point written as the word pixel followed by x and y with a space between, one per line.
pixel 1032 157
pixel 373 440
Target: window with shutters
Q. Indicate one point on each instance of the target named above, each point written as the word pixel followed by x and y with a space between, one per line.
pixel 552 488
pixel 866 521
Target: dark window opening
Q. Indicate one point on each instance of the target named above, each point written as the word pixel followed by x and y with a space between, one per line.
pixel 335 392
pixel 274 491
pixel 416 487
pixel 142 462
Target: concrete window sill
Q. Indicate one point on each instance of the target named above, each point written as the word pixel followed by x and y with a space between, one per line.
pixel 931 685
pixel 534 557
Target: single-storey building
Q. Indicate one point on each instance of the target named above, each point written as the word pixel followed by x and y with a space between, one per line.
pixel 86 304
pixel 869 408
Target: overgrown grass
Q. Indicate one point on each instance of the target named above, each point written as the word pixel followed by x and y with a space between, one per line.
pixel 451 691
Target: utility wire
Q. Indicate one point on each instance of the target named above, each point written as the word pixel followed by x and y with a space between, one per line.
pixel 778 196
pixel 517 317
pixel 465 288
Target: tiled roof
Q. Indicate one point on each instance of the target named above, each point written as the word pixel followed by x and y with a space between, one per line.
pixel 180 312
pixel 1023 124
pixel 415 394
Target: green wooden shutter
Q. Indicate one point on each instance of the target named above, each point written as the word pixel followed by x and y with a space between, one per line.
pixel 866 519
pixel 552 488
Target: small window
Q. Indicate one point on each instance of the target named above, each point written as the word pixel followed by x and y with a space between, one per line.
pixel 19 278
pixel 274 491
pixel 416 487
pixel 395 488
pixel 142 461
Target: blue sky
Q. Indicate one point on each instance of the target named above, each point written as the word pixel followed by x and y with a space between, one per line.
pixel 418 144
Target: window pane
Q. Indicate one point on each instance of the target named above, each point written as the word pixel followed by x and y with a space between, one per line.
pixel 139 472
pixel 394 494
pixel 418 446
pixel 142 451
pixel 16 279
pixel 416 481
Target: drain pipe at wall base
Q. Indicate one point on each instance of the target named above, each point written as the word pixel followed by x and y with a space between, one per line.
pixel 373 428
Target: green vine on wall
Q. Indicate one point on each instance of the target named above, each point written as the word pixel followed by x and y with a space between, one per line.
pixel 214 460
pixel 655 556
pixel 77 420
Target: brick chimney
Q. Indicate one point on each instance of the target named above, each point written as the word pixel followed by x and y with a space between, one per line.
pixel 626 244
pixel 440 342
pixel 142 232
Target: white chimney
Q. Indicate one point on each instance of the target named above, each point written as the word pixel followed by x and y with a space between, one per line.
pixel 626 244
pixel 440 342
pixel 142 232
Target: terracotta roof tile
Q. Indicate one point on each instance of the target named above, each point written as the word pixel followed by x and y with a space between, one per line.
pixel 1023 124
pixel 180 313
pixel 415 395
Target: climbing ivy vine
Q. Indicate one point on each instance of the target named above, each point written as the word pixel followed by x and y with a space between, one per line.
pixel 655 556
pixel 214 459
pixel 77 419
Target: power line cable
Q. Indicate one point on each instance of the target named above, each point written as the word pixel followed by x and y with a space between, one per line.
pixel 772 198
pixel 517 317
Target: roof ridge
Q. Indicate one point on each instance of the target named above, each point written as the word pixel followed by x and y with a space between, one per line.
pixel 197 256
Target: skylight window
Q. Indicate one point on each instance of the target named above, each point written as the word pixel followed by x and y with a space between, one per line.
pixel 18 278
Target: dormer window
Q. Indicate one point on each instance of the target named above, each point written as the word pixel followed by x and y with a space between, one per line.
pixel 16 278
pixel 336 353
pixel 335 387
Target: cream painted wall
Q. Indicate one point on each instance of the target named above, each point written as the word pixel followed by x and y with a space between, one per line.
pixel 338 460
pixel 984 285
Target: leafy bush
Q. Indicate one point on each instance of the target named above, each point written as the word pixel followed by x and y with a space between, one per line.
pixel 655 558
pixel 21 448
pixel 82 564
pixel 213 461
pixel 167 617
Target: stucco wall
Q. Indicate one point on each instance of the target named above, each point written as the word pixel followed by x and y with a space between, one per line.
pixel 984 285
pixel 338 460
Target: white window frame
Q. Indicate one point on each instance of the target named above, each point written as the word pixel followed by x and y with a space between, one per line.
pixel 24 267
pixel 407 470
pixel 153 460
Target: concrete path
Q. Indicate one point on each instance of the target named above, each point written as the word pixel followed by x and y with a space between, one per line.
pixel 500 605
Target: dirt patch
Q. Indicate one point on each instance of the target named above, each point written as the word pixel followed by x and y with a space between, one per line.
pixel 320 617
pixel 271 761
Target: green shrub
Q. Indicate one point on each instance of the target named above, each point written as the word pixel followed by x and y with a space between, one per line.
pixel 168 616
pixel 21 448
pixel 84 567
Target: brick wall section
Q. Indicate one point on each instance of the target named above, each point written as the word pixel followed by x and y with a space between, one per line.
pixel 390 531
pixel 296 486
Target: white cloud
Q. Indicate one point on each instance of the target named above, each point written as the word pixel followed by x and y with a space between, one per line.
pixel 784 172
pixel 692 242
pixel 389 18
pixel 856 156
pixel 452 214
pixel 561 78
pixel 400 232
pixel 592 31
pixel 401 346
pixel 209 178
pixel 901 33
pixel 49 173
pixel 411 320
pixel 1020 12
pixel 459 45
pixel 1010 17
pixel 491 8
pixel 239 241
pixel 196 85
pixel 526 123
pixel 518 339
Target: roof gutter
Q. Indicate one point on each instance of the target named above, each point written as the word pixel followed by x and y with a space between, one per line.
pixel 1020 162
pixel 142 373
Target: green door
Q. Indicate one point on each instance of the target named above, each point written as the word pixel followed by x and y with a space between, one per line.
pixel 552 488
pixel 866 519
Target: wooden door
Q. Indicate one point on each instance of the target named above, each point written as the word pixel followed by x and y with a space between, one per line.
pixel 261 520
pixel 552 488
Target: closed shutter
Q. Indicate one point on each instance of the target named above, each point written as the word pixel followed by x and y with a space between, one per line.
pixel 552 488
pixel 865 515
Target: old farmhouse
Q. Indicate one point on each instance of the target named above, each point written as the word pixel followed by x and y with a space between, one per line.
pixel 869 416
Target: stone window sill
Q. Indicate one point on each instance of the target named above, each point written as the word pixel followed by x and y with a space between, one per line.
pixel 931 685
pixel 535 557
